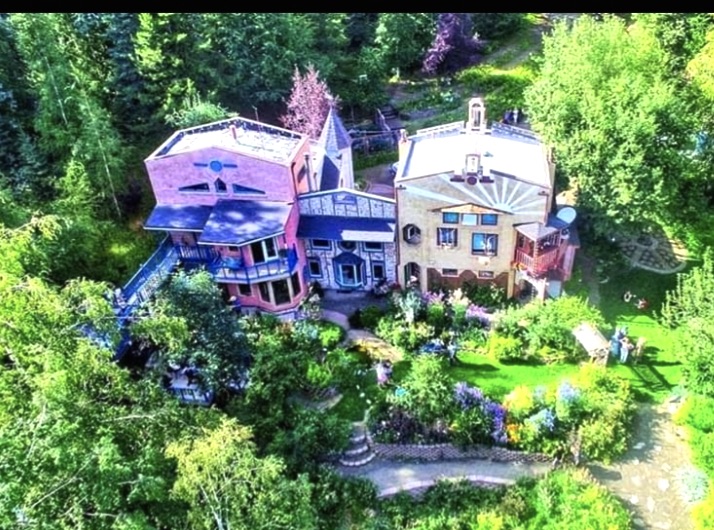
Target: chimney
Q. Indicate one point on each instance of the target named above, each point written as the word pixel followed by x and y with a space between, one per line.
pixel 234 134
pixel 477 115
pixel 308 169
pixel 403 144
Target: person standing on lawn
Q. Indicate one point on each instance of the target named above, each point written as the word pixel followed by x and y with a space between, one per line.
pixel 626 347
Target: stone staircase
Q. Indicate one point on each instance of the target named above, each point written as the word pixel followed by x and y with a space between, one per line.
pixel 359 452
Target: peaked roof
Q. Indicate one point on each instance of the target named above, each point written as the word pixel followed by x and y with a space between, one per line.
pixel 334 136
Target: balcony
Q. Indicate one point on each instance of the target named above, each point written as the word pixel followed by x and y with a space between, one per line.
pixel 234 269
pixel 540 264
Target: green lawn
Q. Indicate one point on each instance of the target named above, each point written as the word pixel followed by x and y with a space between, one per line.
pixel 660 371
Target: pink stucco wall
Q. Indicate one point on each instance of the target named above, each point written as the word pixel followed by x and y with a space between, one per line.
pixel 169 173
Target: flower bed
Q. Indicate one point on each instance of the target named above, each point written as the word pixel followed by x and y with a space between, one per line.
pixel 431 419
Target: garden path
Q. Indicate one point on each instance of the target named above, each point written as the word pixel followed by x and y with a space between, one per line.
pixel 391 477
pixel 646 478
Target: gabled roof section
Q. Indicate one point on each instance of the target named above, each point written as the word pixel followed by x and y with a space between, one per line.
pixel 470 208
pixel 535 231
pixel 334 137
pixel 238 135
pixel 190 218
pixel 348 191
pixel 240 222
pixel 339 228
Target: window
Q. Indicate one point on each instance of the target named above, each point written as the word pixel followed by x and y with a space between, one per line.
pixel 295 284
pixel 446 237
pixel 324 244
pixel 348 246
pixel 449 272
pixel 484 244
pixel 490 219
pixel 469 219
pixel 220 186
pixel 315 267
pixel 264 291
pixel 412 234
pixel 244 289
pixel 378 272
pixel 264 250
pixel 371 246
pixel 195 188
pixel 302 174
pixel 450 218
pixel 233 248
pixel 245 190
pixel 281 291
pixel 486 275
pixel 348 274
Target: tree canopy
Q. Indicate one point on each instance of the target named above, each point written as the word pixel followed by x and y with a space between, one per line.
pixel 621 131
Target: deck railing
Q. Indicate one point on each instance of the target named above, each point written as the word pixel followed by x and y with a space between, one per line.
pixel 149 277
pixel 545 260
pixel 235 270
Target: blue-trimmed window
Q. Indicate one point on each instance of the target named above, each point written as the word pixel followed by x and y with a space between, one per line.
pixel 315 267
pixel 349 275
pixel 447 237
pixel 220 186
pixel 450 218
pixel 489 219
pixel 321 244
pixel 484 244
pixel 469 219
pixel 245 289
pixel 372 246
pixel 378 270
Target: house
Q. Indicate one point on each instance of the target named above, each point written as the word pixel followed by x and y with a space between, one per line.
pixel 226 194
pixel 267 211
pixel 476 204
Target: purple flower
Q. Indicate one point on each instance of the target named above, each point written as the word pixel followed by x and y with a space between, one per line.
pixel 567 393
pixel 433 297
pixel 467 396
pixel 542 420
pixel 497 413
pixel 475 312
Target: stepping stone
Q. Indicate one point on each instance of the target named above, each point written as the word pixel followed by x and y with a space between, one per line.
pixel 638 522
pixel 650 504
pixel 639 445
pixel 663 484
pixel 663 526
pixel 636 481
pixel 634 500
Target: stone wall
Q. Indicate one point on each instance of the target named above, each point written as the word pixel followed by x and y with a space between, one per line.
pixel 432 453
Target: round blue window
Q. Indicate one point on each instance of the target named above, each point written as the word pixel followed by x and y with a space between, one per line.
pixel 215 165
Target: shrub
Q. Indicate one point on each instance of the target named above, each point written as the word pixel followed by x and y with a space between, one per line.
pixel 570 500
pixel 703 513
pixel 318 376
pixel 409 337
pixel 703 450
pixel 370 316
pixel 504 348
pixel 697 412
pixel 355 319
pixel 427 390
pixel 330 334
